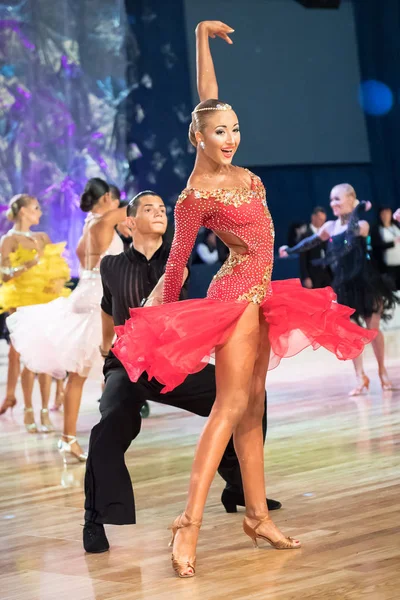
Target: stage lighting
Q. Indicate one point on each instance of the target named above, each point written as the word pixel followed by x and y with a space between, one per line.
pixel 375 97
pixel 320 3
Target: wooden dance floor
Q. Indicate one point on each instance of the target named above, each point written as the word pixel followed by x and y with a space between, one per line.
pixel 332 461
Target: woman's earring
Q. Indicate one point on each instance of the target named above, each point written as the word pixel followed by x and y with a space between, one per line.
pixel 202 145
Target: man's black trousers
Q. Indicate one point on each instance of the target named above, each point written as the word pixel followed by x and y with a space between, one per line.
pixel 108 486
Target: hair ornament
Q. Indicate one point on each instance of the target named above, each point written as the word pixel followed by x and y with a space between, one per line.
pixel 217 107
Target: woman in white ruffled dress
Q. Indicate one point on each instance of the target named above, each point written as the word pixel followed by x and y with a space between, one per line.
pixel 63 337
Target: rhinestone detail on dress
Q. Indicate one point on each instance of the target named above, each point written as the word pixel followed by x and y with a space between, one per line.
pixel 231 262
pixel 258 292
pixel 242 212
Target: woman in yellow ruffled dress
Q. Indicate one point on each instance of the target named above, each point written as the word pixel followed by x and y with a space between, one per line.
pixel 33 271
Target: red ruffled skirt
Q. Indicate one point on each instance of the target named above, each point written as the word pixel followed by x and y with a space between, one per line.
pixel 173 340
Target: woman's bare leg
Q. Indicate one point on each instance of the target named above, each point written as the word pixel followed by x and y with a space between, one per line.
pixel 27 382
pixel 45 386
pixel 362 379
pixel 72 403
pixel 59 399
pixel 249 446
pixel 248 437
pixel 13 373
pixel 234 365
pixel 378 346
pixel 358 364
pixel 14 369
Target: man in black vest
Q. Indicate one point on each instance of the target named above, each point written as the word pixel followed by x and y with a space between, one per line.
pixel 127 279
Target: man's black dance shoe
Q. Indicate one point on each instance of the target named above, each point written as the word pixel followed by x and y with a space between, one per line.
pixel 94 538
pixel 231 500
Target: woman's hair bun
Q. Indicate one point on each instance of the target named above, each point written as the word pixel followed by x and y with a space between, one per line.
pixel 87 202
pixel 16 203
pixel 10 214
pixel 94 190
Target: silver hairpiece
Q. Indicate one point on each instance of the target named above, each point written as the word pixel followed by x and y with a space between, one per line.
pixel 217 107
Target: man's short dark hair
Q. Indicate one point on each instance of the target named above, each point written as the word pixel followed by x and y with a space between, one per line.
pixel 318 209
pixel 135 202
pixel 114 191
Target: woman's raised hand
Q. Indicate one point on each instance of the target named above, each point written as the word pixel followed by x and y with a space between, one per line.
pixel 396 215
pixel 215 29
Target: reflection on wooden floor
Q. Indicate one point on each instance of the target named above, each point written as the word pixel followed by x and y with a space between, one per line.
pixel 332 461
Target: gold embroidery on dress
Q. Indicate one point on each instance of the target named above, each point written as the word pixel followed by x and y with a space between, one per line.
pixel 234 198
pixel 231 262
pixel 266 209
pixel 229 197
pixel 257 293
pixel 268 214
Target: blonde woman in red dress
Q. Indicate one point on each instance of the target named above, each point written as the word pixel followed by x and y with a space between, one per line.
pixel 248 322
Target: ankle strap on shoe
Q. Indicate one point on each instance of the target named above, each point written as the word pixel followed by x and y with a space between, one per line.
pixel 259 521
pixel 72 439
pixel 189 521
pixel 44 410
pixel 28 409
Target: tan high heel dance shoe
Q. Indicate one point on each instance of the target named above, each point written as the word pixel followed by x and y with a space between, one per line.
pixel 364 384
pixel 7 403
pixel 181 566
pixel 287 543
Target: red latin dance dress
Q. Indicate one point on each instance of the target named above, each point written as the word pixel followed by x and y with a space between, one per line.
pixel 177 338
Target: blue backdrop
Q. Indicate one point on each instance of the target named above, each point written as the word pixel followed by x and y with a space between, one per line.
pixel 378 35
pixel 292 191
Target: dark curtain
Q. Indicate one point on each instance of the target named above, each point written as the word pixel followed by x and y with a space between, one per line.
pixel 293 192
pixel 159 107
pixel 378 34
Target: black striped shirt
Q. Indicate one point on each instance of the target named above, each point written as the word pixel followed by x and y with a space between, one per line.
pixel 129 277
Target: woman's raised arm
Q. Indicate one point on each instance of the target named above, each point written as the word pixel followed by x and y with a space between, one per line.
pixel 207 85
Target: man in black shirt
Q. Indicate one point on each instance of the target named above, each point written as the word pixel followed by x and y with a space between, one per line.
pixel 312 274
pixel 127 279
